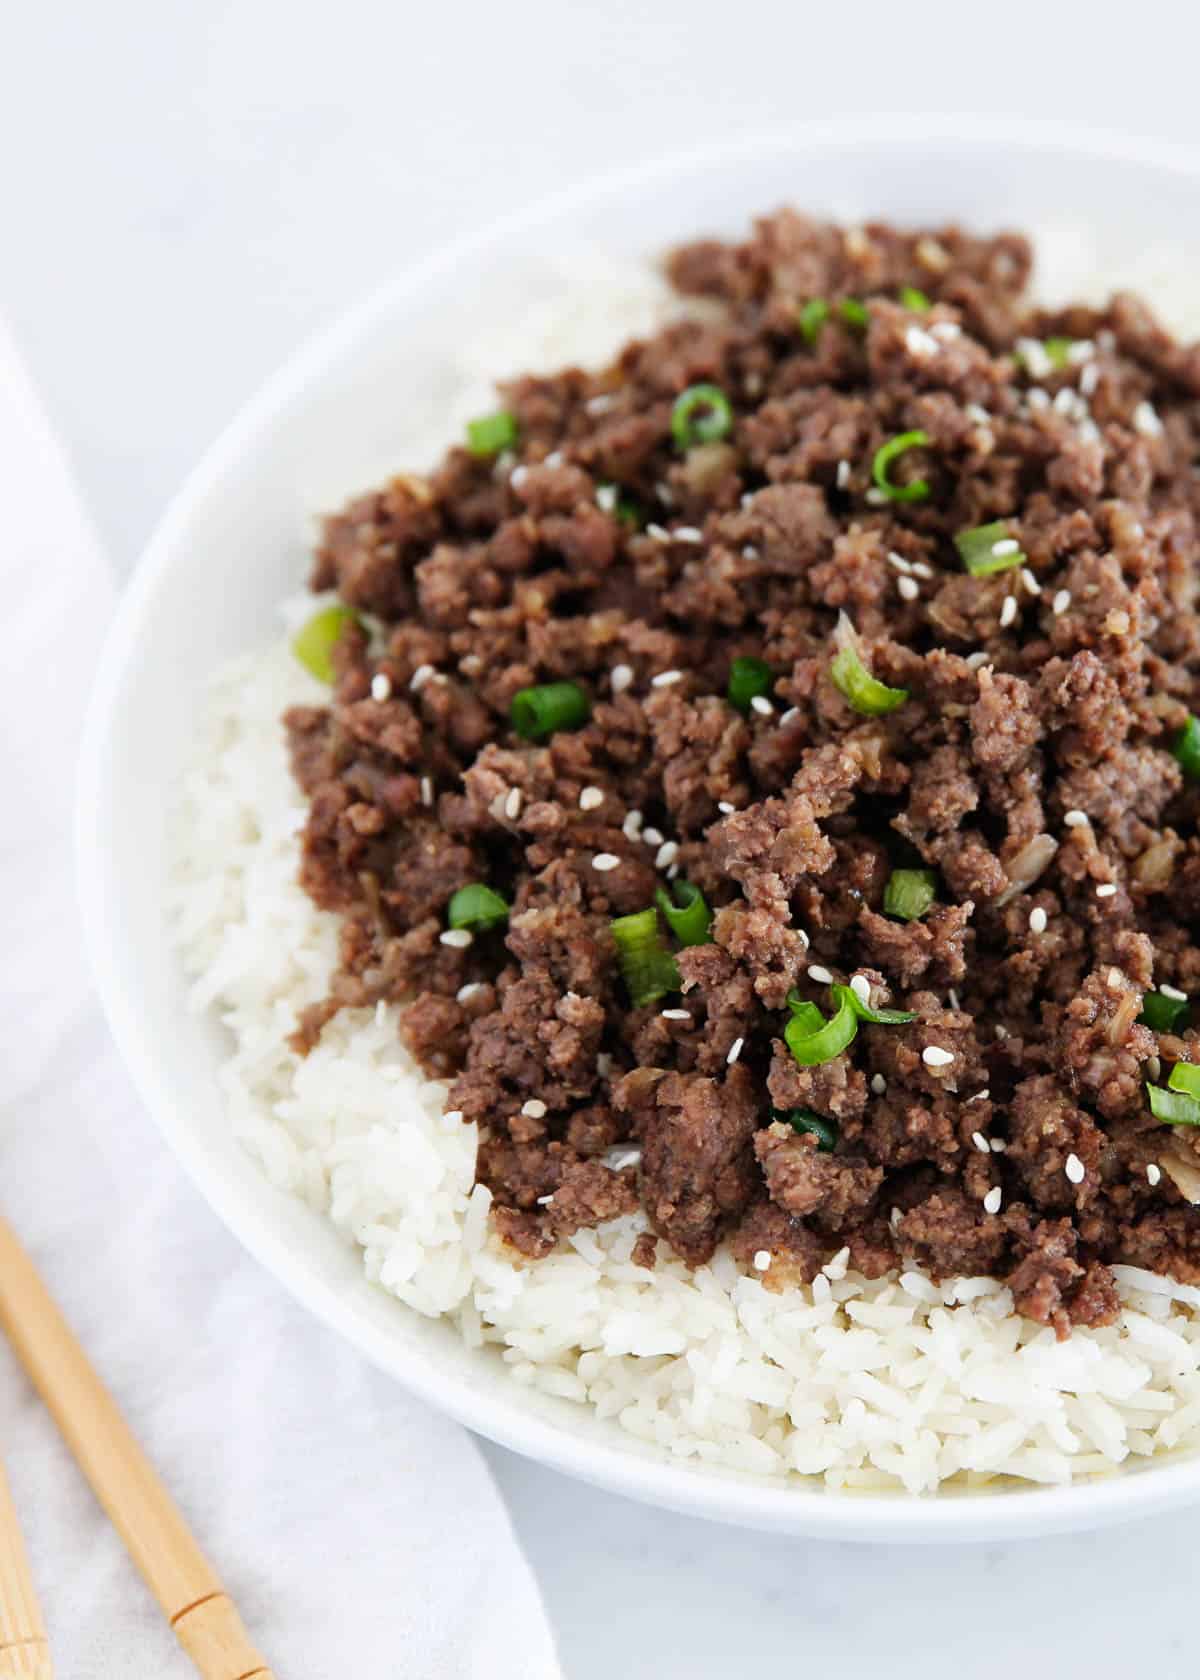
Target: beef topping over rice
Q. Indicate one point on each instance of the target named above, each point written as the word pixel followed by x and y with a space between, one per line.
pixel 764 770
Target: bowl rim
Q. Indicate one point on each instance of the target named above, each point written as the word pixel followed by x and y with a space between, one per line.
pixel 766 1504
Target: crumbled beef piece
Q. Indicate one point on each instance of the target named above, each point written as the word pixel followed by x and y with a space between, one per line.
pixel 1030 767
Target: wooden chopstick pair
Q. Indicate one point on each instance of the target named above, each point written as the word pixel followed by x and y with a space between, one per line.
pixel 158 1540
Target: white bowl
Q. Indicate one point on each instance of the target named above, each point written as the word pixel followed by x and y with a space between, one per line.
pixel 232 544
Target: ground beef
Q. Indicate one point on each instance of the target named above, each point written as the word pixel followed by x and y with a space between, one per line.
pixel 1004 1128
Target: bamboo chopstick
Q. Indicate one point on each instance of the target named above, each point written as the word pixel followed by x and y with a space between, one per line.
pixel 158 1540
pixel 24 1648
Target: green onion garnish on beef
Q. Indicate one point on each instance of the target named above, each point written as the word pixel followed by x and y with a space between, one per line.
pixel 748 678
pixel 477 907
pixel 865 693
pixel 989 548
pixel 539 712
pixel 647 967
pixel 689 917
pixel 491 434
pixel 803 1120
pixel 909 893
pixel 314 642
pixel 1186 748
pixel 916 489
pixel 812 318
pixel 702 414
pixel 1162 1012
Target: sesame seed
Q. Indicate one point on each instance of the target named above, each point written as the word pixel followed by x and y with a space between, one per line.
pixel 590 798
pixel 725 808
pixel 1172 992
pixel 876 497
pixel 666 854
pixel 802 939
pixel 420 677
pixel 934 1056
pixel 1006 545
pixel 465 993
pixel 675 1015
pixel 534 1109
pixel 658 532
pixel 932 255
pixel 792 712
pixel 900 563
pixel 426 790
pixel 632 826
pixel 1061 602
pixel 998 1146
pixel 843 474
pixel 512 805
pixel 381 686
pixel 1030 582
pixel 1001 1030
pixel 953 996
pixel 457 938
pixel 652 836
pixel 544 1201
pixel 665 679
pixel 622 676
pixel 918 342
pixel 1107 890
pixel 1037 920
pixel 1089 378
pixel 749 552
pixel 981 1143
pixel 1033 354
pixel 1153 1173
pixel 1076 819
pixel 598 405
pixel 518 476
pixel 687 534
pixel 554 459
pixel 604 861
pixel 975 660
pixel 977 413
pixel 606 497
pixel 991 1202
pixel 1074 1169
pixel 1146 421
pixel 861 987
pixel 981 1096
pixel 908 589
pixel 1008 611
pixel 672 872
pixel 1115 980
pixel 947 331
pixel 921 570
pixel 762 1260
pixel 762 705
pixel 604 1064
pixel 821 975
pixel 616 1160
pixel 735 1050
pixel 878 1084
pixel 745 499
pixel 664 494
pixel 454 1115
pixel 1039 400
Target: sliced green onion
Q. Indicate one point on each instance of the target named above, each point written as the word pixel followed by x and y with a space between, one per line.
pixel 918 489
pixel 1161 1013
pixel 854 314
pixel 1177 1108
pixel 1186 748
pixel 812 1048
pixel 539 712
pixel 689 917
pixel 478 907
pixel 978 549
pixel 314 642
pixel 878 1017
pixel 702 414
pixel 810 1017
pixel 1185 1076
pixel 909 893
pixel 803 1120
pixel 748 678
pixel 1058 350
pixel 812 318
pixel 491 433
pixel 865 693
pixel 913 299
pixel 647 967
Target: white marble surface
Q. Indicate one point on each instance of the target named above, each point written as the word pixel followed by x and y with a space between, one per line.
pixel 188 187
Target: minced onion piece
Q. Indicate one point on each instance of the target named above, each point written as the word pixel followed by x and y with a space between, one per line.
pixel 812 318
pixel 1186 748
pixel 1161 1013
pixel 540 711
pixel 701 414
pixel 829 1040
pixel 647 967
pixel 492 433
pixel 977 546
pixel 314 642
pixel 478 907
pixel 865 693
pixel 689 917
pixel 1023 870
pixel 878 1017
pixel 918 489
pixel 909 893
pixel 913 298
pixel 803 1120
pixel 748 678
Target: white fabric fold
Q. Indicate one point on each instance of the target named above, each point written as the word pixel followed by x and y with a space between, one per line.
pixel 358 1532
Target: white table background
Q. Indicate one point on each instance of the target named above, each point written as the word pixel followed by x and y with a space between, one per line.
pixel 188 187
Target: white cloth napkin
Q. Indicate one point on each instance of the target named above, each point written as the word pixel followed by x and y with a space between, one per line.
pixel 359 1533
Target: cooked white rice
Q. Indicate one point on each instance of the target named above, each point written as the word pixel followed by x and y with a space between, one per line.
pixel 893 1383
